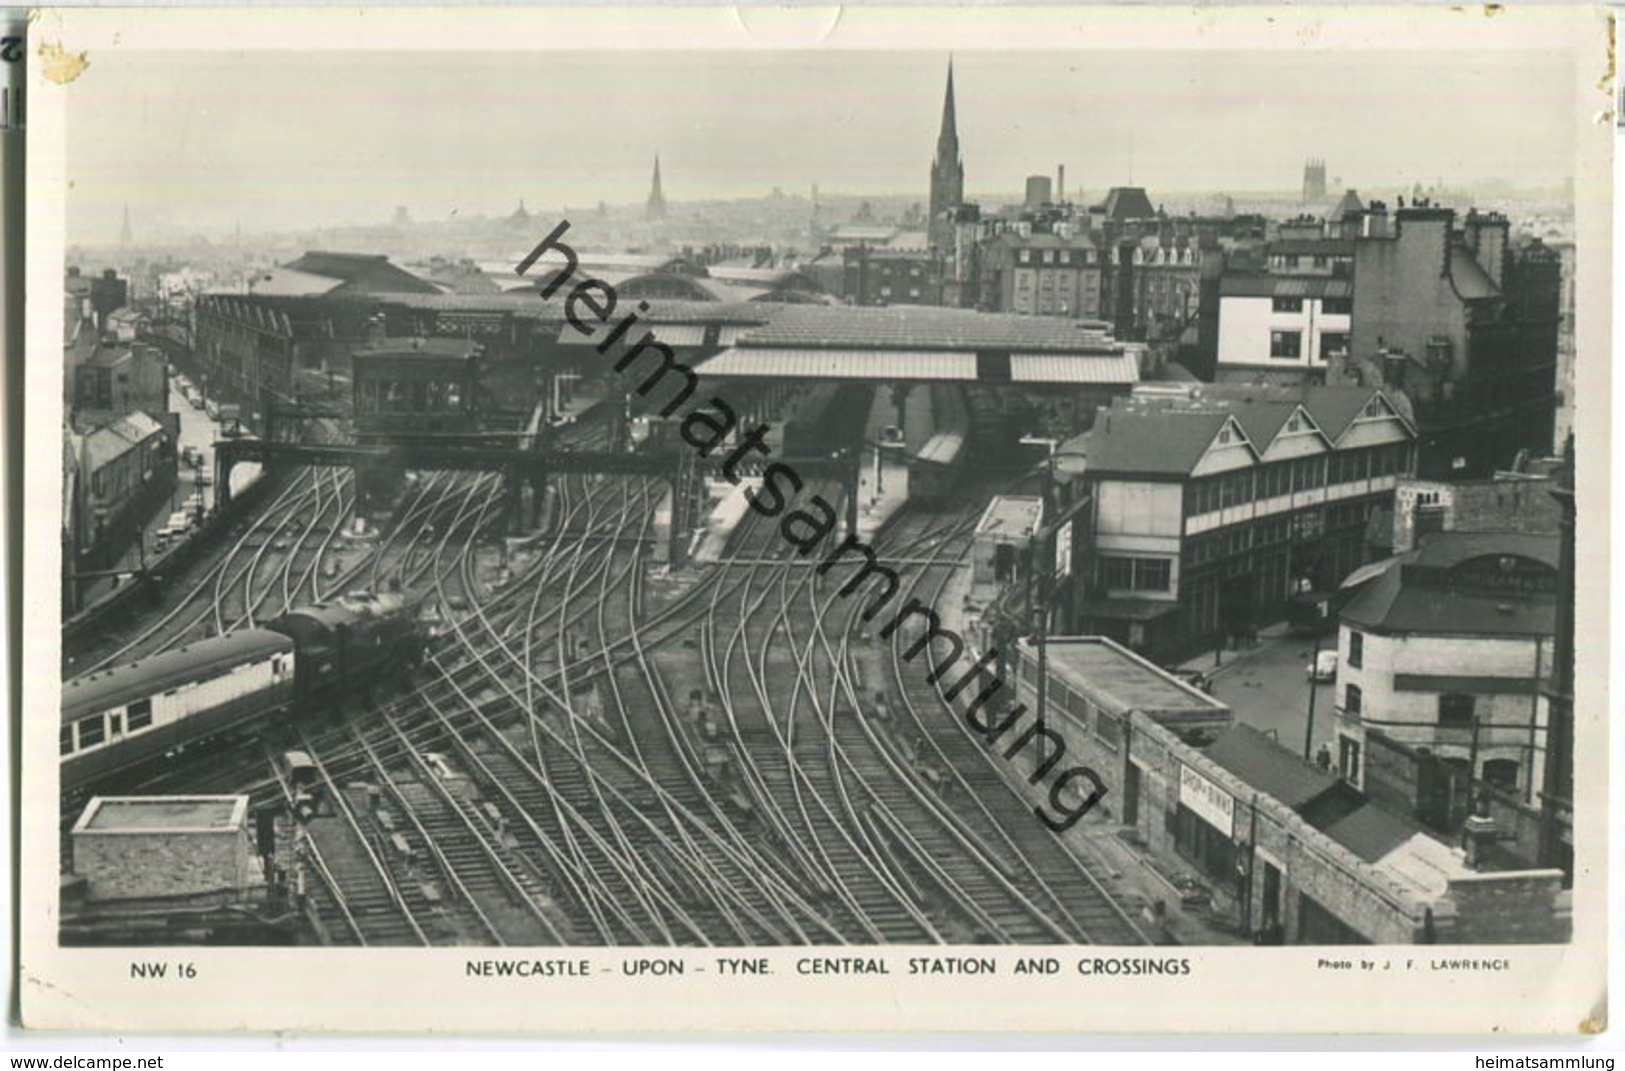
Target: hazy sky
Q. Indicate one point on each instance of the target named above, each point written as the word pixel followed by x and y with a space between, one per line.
pixel 281 140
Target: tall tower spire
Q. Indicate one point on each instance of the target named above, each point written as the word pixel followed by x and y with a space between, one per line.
pixel 947 172
pixel 656 208
pixel 124 235
pixel 950 126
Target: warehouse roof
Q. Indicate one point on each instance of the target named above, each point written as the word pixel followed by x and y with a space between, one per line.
pixel 748 361
pixel 362 272
pixel 917 327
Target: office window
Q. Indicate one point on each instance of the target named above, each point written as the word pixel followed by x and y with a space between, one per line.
pixel 1026 256
pixel 1352 699
pixel 1455 711
pixel 1333 342
pixel 65 741
pixel 1152 574
pixel 1337 306
pixel 1287 304
pixel 1117 573
pixel 1136 574
pixel 1356 649
pixel 1286 345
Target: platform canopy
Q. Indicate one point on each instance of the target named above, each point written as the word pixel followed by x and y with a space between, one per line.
pixel 760 362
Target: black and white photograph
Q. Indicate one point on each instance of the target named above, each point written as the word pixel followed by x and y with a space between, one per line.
pixel 655 517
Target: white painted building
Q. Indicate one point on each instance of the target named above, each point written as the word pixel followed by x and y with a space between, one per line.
pixel 1447 653
pixel 1283 322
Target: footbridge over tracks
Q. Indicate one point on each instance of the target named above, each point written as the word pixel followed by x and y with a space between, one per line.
pixel 519 466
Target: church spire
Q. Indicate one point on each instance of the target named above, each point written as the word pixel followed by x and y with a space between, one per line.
pixel 656 208
pixel 947 173
pixel 948 139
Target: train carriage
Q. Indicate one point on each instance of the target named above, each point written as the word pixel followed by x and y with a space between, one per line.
pixel 127 715
pixel 120 718
pixel 936 473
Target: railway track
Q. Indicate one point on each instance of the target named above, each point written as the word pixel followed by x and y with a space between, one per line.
pixel 586 759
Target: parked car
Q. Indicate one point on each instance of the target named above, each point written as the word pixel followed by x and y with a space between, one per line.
pixel 1324 667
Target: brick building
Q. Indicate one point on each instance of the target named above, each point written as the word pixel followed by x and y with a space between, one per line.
pixel 892 276
pixel 1040 274
pixel 140 847
pixel 1285 851
pixel 1467 325
pixel 307 315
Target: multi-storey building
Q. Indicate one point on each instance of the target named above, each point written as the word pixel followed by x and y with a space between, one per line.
pixel 118 379
pixel 1467 326
pixel 1282 323
pixel 1040 274
pixel 1214 506
pixel 890 276
pixel 1445 659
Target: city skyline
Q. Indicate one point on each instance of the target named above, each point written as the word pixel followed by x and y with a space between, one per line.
pixel 182 141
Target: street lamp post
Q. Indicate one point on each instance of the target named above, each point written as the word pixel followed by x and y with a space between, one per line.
pixel 1314 687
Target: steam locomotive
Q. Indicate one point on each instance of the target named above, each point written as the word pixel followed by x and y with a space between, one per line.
pixel 120 718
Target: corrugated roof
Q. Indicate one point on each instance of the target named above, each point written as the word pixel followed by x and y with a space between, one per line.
pixel 796 363
pixel 526 303
pixel 1118 368
pixel 670 334
pixel 1270 768
pixel 923 327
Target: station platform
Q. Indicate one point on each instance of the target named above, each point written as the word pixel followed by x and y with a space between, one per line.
pixel 1100 843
